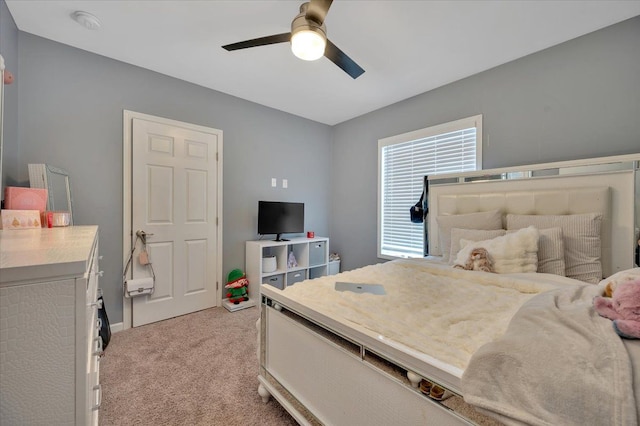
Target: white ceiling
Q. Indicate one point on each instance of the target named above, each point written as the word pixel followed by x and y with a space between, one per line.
pixel 405 47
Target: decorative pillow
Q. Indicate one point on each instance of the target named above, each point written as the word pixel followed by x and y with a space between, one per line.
pixel 511 253
pixel 472 235
pixel 481 220
pixel 550 251
pixel 581 238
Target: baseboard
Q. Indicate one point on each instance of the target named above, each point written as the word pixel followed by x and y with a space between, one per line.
pixel 116 327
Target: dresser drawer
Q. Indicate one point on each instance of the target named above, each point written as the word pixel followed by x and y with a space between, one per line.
pixel 95 395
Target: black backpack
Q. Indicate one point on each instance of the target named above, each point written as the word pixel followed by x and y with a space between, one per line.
pixel 105 329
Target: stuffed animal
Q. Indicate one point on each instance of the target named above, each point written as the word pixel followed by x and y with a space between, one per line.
pixel 619 277
pixel 237 287
pixel 292 262
pixel 623 308
pixel 609 288
pixel 479 260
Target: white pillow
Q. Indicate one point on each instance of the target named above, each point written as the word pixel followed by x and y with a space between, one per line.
pixel 473 235
pixel 550 251
pixel 581 238
pixel 481 220
pixel 511 253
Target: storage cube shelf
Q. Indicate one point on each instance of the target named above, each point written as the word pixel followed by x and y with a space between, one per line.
pixel 311 255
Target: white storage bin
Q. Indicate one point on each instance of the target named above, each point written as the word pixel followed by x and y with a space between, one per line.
pixel 269 264
pixel 334 267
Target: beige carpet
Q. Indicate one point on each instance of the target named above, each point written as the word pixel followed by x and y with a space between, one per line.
pixel 198 369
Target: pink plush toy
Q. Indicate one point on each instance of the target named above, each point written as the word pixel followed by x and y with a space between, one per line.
pixel 623 308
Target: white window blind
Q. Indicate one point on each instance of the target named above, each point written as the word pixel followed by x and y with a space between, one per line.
pixel 404 160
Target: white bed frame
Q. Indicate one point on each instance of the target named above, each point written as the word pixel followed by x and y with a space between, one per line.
pixel 325 371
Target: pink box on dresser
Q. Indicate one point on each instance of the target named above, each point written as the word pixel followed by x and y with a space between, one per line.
pixel 18 198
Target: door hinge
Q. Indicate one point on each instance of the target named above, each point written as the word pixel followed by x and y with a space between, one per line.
pixel 217 284
pixel 217 158
pixel 216 221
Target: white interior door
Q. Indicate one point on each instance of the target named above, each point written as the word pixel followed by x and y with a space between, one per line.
pixel 174 201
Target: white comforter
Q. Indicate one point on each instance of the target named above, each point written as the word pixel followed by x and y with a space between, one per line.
pixel 429 306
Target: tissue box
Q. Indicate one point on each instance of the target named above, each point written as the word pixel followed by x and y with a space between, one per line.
pixel 18 198
pixel 20 219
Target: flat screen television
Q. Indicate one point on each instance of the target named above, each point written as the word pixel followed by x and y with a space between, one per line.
pixel 278 217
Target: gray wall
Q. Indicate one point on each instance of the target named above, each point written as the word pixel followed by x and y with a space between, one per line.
pixel 579 99
pixel 71 104
pixel 9 51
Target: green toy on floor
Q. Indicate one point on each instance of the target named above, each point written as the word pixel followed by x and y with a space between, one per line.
pixel 236 287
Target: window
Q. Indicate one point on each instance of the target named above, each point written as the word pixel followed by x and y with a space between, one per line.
pixel 403 161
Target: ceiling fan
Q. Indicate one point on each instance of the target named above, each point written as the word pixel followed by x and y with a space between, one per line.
pixel 308 38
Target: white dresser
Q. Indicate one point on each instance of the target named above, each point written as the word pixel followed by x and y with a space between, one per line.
pixel 49 343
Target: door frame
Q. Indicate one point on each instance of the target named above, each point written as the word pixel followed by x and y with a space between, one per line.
pixel 127 212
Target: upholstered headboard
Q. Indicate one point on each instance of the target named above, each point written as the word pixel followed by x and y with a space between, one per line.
pixel 611 193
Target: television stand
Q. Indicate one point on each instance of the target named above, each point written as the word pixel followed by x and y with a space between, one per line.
pixel 280 239
pixel 311 254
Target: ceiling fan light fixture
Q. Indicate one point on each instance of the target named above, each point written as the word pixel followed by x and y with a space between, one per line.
pixel 308 38
pixel 308 44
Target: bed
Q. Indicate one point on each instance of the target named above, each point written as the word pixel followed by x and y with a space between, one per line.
pixel 520 346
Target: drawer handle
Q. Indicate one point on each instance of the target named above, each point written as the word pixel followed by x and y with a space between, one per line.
pixel 97 303
pixel 97 388
pixel 100 274
pixel 99 323
pixel 273 279
pixel 99 352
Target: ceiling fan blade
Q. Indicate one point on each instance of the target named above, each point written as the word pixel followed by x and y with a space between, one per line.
pixel 262 41
pixel 341 59
pixel 317 10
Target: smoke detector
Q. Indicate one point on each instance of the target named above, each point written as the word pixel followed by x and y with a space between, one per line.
pixel 86 19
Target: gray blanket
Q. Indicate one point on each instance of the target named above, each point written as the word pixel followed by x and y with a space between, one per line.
pixel 558 363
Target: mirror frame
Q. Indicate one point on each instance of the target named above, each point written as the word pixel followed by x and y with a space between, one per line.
pixel 42 176
pixel 55 171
